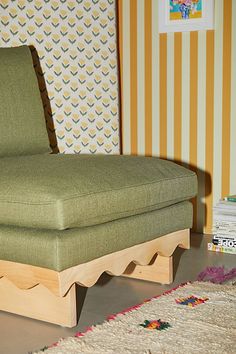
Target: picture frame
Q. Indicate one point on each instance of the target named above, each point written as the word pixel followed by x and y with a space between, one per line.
pixel 185 15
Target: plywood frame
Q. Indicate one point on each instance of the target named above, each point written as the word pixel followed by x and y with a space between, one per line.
pixel 24 288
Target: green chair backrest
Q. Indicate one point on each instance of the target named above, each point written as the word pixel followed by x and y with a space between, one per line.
pixel 22 123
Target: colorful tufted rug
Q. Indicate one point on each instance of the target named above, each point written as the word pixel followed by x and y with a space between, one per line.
pixel 197 317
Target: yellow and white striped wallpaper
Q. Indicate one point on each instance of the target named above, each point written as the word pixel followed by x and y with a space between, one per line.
pixel 179 97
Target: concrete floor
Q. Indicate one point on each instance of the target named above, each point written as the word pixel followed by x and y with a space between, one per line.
pixel 20 335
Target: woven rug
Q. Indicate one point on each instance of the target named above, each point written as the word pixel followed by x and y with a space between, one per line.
pixel 196 317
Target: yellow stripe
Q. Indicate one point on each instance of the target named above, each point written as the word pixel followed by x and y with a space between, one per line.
pixel 126 75
pixel 120 71
pixel 210 49
pixel 163 94
pixel 148 77
pixel 226 98
pixel 177 95
pixel 233 107
pixel 193 109
pixel 133 76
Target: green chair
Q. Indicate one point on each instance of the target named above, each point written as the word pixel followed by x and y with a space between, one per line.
pixel 65 219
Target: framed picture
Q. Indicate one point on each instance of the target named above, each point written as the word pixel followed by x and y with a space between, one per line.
pixel 185 15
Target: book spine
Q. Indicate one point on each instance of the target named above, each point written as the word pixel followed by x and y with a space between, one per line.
pixel 221 249
pixel 230 199
pixel 220 231
pixel 224 236
pixel 224 242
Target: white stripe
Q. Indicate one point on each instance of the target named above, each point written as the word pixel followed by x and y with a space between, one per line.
pixel 185 95
pixel 233 106
pixel 155 81
pixel 218 101
pixel 201 128
pixel 126 78
pixel 141 77
pixel 170 95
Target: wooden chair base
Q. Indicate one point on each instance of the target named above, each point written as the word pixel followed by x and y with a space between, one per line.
pixel 50 296
pixel 160 271
pixel 39 303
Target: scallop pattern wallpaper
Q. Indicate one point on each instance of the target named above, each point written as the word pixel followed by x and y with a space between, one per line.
pixel 73 45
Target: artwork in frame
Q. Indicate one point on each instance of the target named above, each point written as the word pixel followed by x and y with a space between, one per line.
pixel 185 15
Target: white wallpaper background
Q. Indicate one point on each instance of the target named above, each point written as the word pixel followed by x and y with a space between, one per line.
pixel 73 45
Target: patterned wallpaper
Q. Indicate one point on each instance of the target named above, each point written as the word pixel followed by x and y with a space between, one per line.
pixel 179 97
pixel 73 45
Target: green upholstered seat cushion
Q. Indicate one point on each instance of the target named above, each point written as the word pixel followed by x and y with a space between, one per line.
pixel 65 191
pixel 59 250
pixel 22 123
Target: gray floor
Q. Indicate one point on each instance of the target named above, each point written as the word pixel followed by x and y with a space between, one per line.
pixel 19 335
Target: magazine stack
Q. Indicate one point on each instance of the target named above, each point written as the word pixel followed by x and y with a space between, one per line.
pixel 224 226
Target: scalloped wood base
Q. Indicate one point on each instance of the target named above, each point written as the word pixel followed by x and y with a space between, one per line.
pixel 39 303
pixel 159 271
pixel 50 296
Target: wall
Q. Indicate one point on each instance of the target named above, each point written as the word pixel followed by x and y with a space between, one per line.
pixel 77 67
pixel 179 97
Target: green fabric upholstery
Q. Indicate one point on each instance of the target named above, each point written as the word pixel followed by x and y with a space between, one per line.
pixel 22 123
pixel 58 211
pixel 66 191
pixel 59 250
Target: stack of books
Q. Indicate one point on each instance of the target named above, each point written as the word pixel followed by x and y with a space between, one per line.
pixel 224 226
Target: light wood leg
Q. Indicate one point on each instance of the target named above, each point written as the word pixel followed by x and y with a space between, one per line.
pixel 39 303
pixel 160 271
